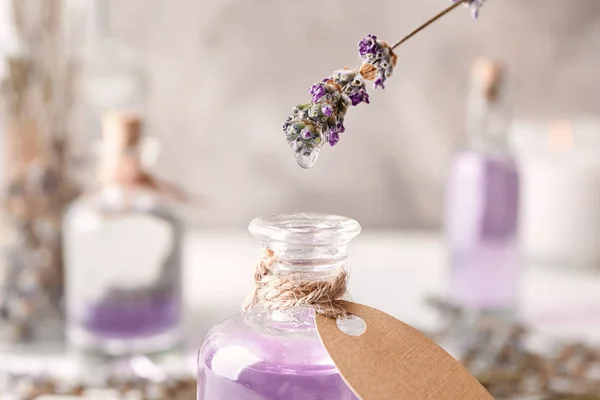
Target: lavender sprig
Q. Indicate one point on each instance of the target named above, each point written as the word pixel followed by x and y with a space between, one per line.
pixel 321 121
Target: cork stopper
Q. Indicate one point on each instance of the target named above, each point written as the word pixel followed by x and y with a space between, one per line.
pixel 122 131
pixel 488 75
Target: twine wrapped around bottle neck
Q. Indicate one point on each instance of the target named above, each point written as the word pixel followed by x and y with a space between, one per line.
pixel 290 290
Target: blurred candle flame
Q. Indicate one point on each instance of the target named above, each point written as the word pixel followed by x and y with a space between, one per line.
pixel 561 137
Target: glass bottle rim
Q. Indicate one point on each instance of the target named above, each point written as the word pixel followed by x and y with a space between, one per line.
pixel 305 228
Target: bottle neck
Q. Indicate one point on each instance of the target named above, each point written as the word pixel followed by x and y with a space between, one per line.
pixel 307 263
pixel 307 259
pixel 487 124
pixel 487 112
pixel 120 166
pixel 300 267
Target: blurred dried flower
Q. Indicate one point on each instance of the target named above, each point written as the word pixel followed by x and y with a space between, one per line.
pixel 34 110
pixel 495 351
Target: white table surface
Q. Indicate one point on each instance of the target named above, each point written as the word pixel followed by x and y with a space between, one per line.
pixel 392 271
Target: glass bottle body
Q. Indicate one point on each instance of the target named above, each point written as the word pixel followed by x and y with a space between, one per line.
pixel 482 225
pixel 123 253
pixel 264 354
pixel 253 356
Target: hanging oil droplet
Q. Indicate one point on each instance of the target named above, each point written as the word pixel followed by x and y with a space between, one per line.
pixel 306 156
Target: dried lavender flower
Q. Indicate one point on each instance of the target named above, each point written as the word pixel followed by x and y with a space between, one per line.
pixel 321 121
pixel 311 125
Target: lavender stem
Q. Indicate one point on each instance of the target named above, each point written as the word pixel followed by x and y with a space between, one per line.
pixel 426 24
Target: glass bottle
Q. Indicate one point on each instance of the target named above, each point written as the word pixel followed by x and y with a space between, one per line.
pixel 482 203
pixel 122 249
pixel 263 354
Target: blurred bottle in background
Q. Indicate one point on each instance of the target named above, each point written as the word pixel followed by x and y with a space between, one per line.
pixel 483 202
pixel 122 248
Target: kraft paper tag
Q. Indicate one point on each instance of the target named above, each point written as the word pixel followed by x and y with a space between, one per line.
pixel 393 361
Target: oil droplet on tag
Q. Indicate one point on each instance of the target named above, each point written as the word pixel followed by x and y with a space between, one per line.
pixel 353 325
pixel 391 360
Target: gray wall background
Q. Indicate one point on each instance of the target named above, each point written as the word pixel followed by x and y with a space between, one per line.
pixel 226 73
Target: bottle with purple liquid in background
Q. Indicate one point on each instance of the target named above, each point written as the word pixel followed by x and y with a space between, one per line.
pixel 264 354
pixel 122 250
pixel 482 204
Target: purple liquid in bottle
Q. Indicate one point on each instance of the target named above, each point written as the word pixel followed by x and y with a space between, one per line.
pixel 482 218
pixel 133 316
pixel 243 361
pixel 275 383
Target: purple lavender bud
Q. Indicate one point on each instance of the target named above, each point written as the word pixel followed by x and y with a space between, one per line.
pixel 356 99
pixel 379 82
pixel 368 45
pixel 317 90
pixel 359 97
pixel 306 134
pixel 327 110
pixel 340 127
pixel 334 137
pixel 366 97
